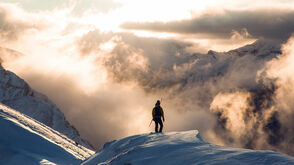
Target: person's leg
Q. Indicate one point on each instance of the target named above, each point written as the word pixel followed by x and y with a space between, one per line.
pixel 156 125
pixel 161 125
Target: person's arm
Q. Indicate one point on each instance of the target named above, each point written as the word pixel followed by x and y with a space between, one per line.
pixel 153 111
pixel 162 113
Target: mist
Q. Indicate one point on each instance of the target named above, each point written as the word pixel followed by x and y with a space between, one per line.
pixel 106 82
pixel 260 117
pixel 117 101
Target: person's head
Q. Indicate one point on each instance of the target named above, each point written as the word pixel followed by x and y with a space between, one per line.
pixel 157 103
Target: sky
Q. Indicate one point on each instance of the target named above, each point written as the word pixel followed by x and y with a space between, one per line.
pixel 104 63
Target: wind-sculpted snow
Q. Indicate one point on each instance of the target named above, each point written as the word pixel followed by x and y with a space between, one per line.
pixel 17 94
pixel 24 140
pixel 176 148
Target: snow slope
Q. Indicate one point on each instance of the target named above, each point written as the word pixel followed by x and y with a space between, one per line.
pixel 24 140
pixel 177 148
pixel 17 94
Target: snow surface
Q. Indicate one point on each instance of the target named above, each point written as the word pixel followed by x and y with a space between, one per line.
pixel 17 94
pixel 24 140
pixel 176 148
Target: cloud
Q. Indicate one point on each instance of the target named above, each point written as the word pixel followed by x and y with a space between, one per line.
pixel 188 82
pixel 80 6
pixel 92 40
pixel 107 82
pixel 11 27
pixel 261 23
pixel 240 35
pixel 260 117
pixel 121 104
pixel 103 115
pixel 103 6
pixel 139 71
pixel 37 5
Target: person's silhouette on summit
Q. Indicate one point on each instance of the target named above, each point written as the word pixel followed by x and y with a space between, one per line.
pixel 157 113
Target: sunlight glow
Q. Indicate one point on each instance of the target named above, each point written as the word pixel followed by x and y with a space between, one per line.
pixel 52 42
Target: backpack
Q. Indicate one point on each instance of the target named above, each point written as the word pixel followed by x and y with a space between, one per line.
pixel 157 112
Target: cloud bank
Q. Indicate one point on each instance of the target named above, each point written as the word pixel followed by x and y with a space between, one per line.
pixel 10 26
pixel 266 23
pixel 260 117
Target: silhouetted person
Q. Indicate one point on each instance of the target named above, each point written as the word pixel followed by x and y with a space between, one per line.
pixel 157 113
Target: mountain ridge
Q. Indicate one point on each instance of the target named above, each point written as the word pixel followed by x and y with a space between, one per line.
pixel 17 94
pixel 24 139
pixel 175 148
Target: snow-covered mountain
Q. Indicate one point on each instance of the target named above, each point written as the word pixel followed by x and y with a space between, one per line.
pixel 24 140
pixel 177 148
pixel 260 48
pixel 17 94
pixel 213 65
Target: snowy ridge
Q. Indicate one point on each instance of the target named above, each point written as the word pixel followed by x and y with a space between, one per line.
pixel 17 94
pixel 25 139
pixel 176 148
pixel 260 48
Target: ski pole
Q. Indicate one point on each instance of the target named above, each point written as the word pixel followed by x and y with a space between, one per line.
pixel 150 122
